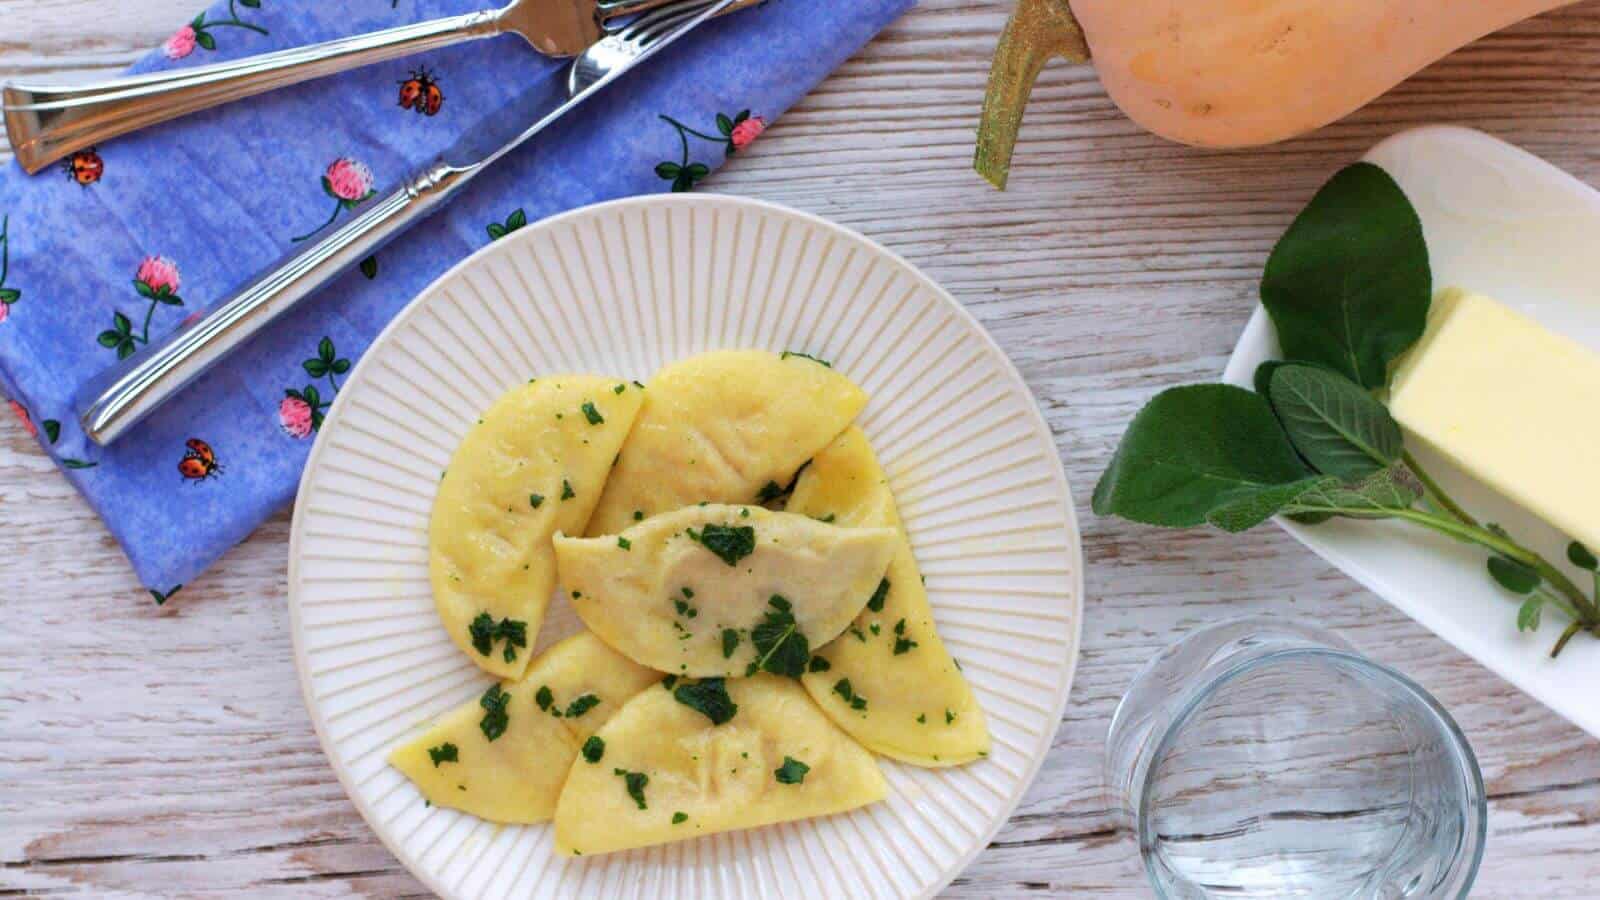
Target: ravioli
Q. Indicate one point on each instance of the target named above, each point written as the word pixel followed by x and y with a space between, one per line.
pixel 889 682
pixel 534 464
pixel 719 427
pixel 723 590
pixel 541 724
pixel 670 773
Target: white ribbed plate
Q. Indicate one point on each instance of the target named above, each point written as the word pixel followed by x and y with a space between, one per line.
pixel 621 289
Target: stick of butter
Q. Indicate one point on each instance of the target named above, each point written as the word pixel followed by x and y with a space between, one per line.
pixel 1510 402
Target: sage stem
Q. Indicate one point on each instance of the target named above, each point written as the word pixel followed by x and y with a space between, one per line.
pixel 1572 629
pixel 1434 491
pixel 1559 602
pixel 1473 534
pixel 1506 547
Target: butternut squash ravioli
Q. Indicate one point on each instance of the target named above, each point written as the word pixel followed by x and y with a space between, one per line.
pixel 756 628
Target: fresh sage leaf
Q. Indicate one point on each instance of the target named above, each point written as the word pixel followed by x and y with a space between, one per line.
pixel 1246 512
pixel 1382 492
pixel 1263 377
pixel 1512 575
pixel 1348 285
pixel 1309 518
pixel 1529 612
pixel 1202 453
pixel 1338 427
pixel 1580 556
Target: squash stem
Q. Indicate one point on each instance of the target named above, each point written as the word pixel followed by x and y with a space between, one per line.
pixel 1037 31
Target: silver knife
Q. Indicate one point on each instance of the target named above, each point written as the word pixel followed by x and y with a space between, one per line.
pixel 120 397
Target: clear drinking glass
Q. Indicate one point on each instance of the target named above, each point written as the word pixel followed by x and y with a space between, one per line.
pixel 1264 758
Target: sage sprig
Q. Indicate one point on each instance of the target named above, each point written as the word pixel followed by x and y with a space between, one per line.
pixel 1348 285
pixel 1348 289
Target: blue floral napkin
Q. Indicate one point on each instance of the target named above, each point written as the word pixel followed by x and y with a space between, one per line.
pixel 122 243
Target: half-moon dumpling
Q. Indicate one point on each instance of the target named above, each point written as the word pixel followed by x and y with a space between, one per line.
pixel 719 427
pixel 889 682
pixel 504 756
pixel 533 465
pixel 723 590
pixel 671 773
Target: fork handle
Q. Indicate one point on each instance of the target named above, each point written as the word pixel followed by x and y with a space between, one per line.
pixel 47 122
pixel 117 399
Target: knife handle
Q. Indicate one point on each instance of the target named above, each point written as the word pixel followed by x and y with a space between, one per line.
pixel 47 122
pixel 120 397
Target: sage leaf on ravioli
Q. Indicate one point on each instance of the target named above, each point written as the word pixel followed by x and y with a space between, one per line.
pixel 671 773
pixel 720 590
pixel 720 427
pixel 534 464
pixel 505 755
pixel 888 681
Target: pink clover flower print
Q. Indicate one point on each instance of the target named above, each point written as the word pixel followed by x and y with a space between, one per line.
pixel 294 416
pixel 158 277
pixel 181 43
pixel 5 312
pixel 348 182
pixel 301 410
pixel 157 281
pixel 734 133
pixel 745 133
pixel 27 420
pixel 198 32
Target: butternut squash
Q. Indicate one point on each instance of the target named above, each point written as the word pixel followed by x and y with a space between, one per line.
pixel 1231 73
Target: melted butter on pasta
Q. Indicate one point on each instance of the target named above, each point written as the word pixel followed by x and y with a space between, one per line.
pixel 539 726
pixel 722 426
pixel 534 465
pixel 888 681
pixel 721 590
pixel 671 773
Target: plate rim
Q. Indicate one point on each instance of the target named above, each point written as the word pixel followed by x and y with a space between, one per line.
pixel 534 232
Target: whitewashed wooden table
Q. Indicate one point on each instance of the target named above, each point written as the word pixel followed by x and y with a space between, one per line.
pixel 163 751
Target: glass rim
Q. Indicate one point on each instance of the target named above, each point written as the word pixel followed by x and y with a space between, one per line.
pixel 1469 856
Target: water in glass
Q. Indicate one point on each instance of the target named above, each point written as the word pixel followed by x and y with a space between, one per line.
pixel 1259 759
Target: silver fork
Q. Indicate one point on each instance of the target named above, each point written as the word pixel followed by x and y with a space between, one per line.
pixel 117 399
pixel 47 122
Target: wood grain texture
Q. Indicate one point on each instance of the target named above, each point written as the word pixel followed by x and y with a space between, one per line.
pixel 164 751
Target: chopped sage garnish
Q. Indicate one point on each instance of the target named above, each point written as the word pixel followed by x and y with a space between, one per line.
pixel 445 752
pixel 875 602
pixel 635 783
pixel 495 718
pixel 730 543
pixel 793 771
pixel 709 697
